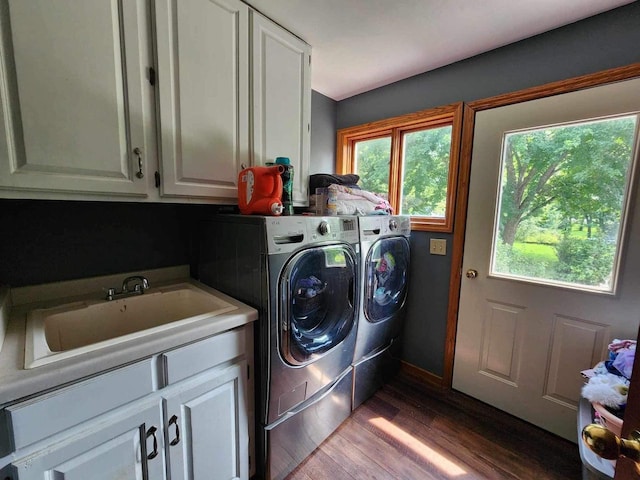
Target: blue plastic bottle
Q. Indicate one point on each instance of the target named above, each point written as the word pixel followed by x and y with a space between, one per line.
pixel 287 185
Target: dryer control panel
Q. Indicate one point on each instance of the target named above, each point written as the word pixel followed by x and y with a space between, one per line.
pixel 380 226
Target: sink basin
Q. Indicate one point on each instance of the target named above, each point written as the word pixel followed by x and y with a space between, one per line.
pixel 75 328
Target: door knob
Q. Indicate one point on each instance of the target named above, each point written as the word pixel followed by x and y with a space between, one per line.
pixel 471 273
pixel 607 444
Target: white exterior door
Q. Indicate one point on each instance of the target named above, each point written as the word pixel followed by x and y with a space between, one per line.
pixel 72 76
pixel 521 344
pixel 203 91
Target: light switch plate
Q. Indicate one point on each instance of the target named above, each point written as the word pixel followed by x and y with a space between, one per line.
pixel 438 246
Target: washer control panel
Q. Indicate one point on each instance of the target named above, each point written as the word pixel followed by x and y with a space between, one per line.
pixel 343 229
pixel 324 228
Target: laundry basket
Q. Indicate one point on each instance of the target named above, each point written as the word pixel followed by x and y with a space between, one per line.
pixel 608 419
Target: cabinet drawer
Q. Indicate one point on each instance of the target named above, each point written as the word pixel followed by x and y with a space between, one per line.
pixel 54 412
pixel 200 356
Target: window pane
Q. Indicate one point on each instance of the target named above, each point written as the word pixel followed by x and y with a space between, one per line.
pixel 372 161
pixel 426 172
pixel 562 203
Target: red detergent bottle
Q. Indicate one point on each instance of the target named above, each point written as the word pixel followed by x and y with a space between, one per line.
pixel 260 190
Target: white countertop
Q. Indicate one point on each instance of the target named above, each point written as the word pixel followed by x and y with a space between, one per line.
pixel 17 382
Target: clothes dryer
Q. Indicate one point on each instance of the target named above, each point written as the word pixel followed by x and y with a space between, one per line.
pixel 302 274
pixel 384 246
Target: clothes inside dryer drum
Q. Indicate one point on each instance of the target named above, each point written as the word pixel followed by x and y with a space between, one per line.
pixel 387 267
pixel 317 290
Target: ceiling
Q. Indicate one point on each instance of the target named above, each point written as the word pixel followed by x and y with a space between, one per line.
pixel 359 45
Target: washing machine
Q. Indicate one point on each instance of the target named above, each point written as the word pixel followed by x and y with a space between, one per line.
pixel 384 246
pixel 302 274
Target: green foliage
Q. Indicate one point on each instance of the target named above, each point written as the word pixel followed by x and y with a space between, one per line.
pixel 427 155
pixel 373 158
pixel 530 232
pixel 537 252
pixel 562 192
pixel 512 260
pixel 573 260
pixel 425 174
pixel 564 186
pixel 576 171
pixel 585 261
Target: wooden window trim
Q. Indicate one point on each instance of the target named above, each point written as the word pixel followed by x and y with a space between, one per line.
pixel 396 127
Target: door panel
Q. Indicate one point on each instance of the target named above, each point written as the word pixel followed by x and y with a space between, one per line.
pixel 207 427
pixel 202 48
pixel 127 444
pixel 520 346
pixel 570 345
pixel 281 100
pixel 72 103
pixel 502 342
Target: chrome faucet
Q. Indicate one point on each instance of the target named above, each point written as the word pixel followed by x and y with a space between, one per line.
pixel 141 284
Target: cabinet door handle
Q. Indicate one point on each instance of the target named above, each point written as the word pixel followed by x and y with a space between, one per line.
pixel 138 153
pixel 152 433
pixel 174 421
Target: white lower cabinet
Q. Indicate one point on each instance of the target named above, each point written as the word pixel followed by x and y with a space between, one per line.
pixel 196 427
pixel 127 444
pixel 207 427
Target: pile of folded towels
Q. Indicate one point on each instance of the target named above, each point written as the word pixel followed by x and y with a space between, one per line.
pixel 346 197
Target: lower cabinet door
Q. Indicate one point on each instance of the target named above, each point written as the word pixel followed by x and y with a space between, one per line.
pixel 126 444
pixel 206 424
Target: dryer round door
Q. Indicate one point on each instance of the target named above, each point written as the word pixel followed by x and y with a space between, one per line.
pixel 317 291
pixel 386 277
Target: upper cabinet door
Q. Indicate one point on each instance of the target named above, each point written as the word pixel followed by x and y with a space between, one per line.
pixel 203 125
pixel 281 100
pixel 71 80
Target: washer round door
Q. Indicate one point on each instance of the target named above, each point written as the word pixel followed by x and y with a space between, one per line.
pixel 317 291
pixel 386 277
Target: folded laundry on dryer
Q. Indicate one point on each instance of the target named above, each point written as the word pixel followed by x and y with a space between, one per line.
pixel 323 180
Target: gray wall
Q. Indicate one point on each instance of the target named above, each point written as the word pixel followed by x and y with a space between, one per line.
pixel 323 133
pixel 604 41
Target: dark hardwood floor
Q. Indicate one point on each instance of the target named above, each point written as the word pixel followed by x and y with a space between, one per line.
pixel 408 430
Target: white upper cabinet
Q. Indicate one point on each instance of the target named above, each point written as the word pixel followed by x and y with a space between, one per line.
pixel 203 96
pixel 281 77
pixel 109 99
pixel 71 81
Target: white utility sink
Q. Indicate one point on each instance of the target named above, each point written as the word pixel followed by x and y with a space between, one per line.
pixel 68 330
